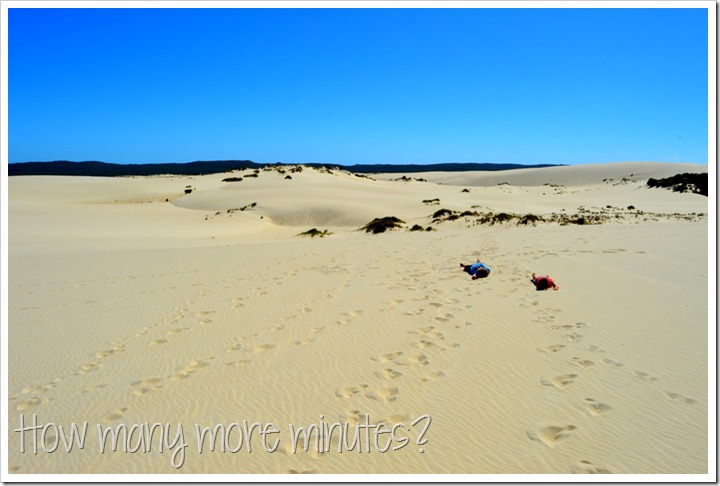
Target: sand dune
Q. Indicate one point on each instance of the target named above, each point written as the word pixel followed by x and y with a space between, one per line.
pixel 132 302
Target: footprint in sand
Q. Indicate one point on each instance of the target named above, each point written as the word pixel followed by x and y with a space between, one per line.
pixel 238 362
pixel 388 357
pixel 189 369
pixel 304 341
pixel 316 329
pixel 261 348
pixel 104 354
pixel 147 384
pixel 388 374
pixel 460 326
pixel 582 363
pixel 596 408
pixel 34 389
pixel 551 349
pixel 423 330
pixel 414 313
pixel 91 388
pixel 420 359
pixel 563 327
pixel 422 344
pixel 156 342
pixel 612 363
pixel 645 376
pixel 551 434
pixel 595 349
pixel 172 332
pixel 572 337
pixel 587 467
pixel 560 381
pixel 88 368
pixel 115 414
pixel 352 417
pixel 434 376
pixel 31 402
pixel 350 391
pixel 677 396
pixel 388 394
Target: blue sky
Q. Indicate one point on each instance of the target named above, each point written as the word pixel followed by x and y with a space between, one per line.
pixel 349 86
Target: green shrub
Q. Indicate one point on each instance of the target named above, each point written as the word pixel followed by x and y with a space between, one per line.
pixel 380 225
pixel 315 232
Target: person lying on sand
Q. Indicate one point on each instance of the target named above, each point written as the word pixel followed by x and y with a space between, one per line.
pixel 477 270
pixel 543 282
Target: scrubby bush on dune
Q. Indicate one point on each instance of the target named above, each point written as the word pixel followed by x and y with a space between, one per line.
pixel 380 225
pixel 232 179
pixel 315 232
pixel 530 219
pixel 503 217
pixel 442 212
pixel 686 182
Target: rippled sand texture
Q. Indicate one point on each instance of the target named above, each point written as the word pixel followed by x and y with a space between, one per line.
pixel 131 302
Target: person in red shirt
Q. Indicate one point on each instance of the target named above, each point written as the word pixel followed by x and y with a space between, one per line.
pixel 543 282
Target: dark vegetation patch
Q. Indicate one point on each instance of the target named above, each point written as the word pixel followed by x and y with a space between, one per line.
pixel 686 182
pixel 380 225
pixel 232 179
pixel 315 232
pixel 582 216
pixel 431 201
pixel 409 179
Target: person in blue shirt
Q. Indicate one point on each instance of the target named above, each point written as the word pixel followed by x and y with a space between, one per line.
pixel 477 270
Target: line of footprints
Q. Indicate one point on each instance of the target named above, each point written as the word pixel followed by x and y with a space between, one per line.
pixel 552 434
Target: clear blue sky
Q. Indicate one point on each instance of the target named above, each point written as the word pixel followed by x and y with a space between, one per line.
pixel 348 86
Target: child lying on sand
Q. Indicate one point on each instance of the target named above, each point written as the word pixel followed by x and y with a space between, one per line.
pixel 543 282
pixel 477 270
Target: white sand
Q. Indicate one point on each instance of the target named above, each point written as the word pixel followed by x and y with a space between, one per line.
pixel 127 309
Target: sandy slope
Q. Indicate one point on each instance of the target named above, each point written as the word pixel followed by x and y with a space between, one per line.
pixel 125 308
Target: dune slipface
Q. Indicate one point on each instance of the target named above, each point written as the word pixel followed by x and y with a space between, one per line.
pixel 168 316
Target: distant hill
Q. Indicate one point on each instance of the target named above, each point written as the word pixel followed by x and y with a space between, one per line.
pixel 104 169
